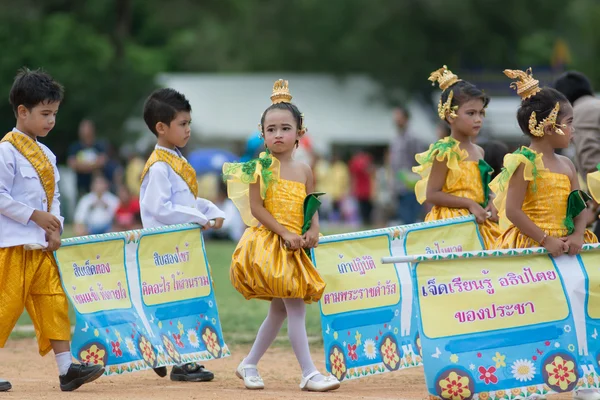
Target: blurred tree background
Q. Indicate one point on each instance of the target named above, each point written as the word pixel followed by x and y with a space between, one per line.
pixel 107 52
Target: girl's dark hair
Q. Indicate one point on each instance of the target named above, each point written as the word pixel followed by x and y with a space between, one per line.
pixel 283 106
pixel 542 103
pixel 464 91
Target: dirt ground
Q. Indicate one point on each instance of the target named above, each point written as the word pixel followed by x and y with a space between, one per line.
pixel 33 377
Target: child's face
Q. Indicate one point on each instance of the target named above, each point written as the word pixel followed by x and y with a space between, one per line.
pixel 99 185
pixel 178 132
pixel 469 118
pixel 40 120
pixel 280 130
pixel 565 124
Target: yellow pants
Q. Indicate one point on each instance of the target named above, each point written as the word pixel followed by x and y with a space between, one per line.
pixel 30 279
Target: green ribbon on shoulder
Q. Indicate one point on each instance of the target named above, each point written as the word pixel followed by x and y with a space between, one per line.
pixel 576 203
pixel 486 171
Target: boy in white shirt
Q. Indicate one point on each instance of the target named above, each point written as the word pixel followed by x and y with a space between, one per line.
pixel 169 192
pixel 30 228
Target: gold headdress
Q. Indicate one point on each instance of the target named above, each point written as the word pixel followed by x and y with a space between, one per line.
pixel 281 93
pixel 526 86
pixel 445 78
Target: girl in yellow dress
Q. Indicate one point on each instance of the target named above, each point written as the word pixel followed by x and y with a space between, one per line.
pixel 454 175
pixel 269 262
pixel 537 191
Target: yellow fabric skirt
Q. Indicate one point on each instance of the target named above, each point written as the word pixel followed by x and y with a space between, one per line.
pixel 262 268
pixel 30 279
pixel 490 231
pixel 512 238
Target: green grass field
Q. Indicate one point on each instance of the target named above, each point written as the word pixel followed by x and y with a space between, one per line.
pixel 240 318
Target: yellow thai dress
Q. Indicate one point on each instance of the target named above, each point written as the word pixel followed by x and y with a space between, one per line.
pixel 593 184
pixel 545 201
pixel 261 266
pixel 465 178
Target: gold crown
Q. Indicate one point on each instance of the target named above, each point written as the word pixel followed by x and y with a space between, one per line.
pixel 526 86
pixel 444 77
pixel 537 129
pixel 281 93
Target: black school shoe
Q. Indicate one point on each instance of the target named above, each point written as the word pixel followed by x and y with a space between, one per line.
pixel 160 371
pixel 79 374
pixel 5 386
pixel 191 372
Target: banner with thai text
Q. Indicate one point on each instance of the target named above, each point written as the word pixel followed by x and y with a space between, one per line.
pixel 509 324
pixel 368 314
pixel 143 299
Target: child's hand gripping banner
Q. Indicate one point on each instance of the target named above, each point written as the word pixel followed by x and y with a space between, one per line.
pixel 368 316
pixel 508 324
pixel 143 299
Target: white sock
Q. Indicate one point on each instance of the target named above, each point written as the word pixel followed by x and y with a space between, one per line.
pixel 63 360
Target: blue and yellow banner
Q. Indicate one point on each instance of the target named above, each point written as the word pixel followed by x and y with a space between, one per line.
pixel 143 299
pixel 509 324
pixel 368 312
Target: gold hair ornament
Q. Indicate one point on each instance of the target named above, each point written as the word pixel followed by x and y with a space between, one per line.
pixel 281 94
pixel 537 129
pixel 445 78
pixel 526 86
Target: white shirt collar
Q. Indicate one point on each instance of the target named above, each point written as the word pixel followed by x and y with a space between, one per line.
pixel 175 152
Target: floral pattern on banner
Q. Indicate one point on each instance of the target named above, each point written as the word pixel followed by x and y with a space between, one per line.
pixel 95 353
pixel 338 362
pixel 389 353
pixel 147 350
pixel 171 350
pixel 560 373
pixel 211 341
pixel 455 385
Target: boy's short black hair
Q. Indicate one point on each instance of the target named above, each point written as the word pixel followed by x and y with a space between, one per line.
pixel 31 88
pixel 573 85
pixel 162 106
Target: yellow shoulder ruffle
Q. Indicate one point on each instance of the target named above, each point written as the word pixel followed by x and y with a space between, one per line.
pixel 533 165
pixel 239 177
pixel 448 149
pixel 593 184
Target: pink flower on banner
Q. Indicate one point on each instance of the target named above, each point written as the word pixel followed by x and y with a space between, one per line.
pixel 178 341
pixel 352 352
pixel 116 348
pixel 487 375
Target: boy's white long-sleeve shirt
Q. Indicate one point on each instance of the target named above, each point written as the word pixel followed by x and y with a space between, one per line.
pixel 21 193
pixel 166 199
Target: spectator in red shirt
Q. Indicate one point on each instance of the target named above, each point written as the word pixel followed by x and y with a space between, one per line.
pixel 127 216
pixel 361 169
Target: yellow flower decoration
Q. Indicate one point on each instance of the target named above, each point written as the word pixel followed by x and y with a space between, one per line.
pixel 454 358
pixel 531 389
pixel 93 355
pixel 561 373
pixel 499 360
pixel 390 354
pixel 484 396
pixel 357 337
pixel 500 394
pixel 211 341
pixel 147 351
pixel 455 387
pixel 114 369
pixel 335 335
pixel 180 327
pixel 96 332
pixel 118 334
pixel 160 324
pixel 516 391
pixel 338 364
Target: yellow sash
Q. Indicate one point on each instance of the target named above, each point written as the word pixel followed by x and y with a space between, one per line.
pixel 31 150
pixel 178 164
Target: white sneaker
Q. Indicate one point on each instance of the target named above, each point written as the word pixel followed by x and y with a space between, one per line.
pixel 251 382
pixel 586 394
pixel 327 384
